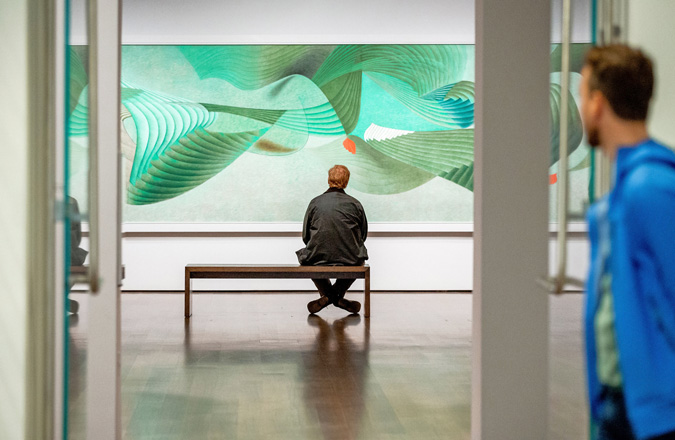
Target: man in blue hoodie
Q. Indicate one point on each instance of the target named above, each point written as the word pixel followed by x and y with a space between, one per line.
pixel 630 308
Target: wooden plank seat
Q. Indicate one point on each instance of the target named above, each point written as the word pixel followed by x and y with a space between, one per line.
pixel 274 271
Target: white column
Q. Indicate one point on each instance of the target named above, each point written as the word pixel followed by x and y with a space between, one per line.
pixel 510 313
pixel 14 204
pixel 103 357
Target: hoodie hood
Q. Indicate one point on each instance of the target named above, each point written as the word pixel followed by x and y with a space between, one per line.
pixel 629 158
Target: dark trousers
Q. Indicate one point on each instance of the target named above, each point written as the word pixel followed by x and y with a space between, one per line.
pixel 613 421
pixel 334 291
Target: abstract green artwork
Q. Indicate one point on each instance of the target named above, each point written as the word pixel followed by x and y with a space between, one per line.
pixel 247 133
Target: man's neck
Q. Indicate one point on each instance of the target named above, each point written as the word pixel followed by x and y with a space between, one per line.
pixel 623 134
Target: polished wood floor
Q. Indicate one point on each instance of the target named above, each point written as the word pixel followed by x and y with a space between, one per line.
pixel 255 366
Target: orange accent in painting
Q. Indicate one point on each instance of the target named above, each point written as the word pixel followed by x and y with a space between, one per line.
pixel 349 145
pixel 553 178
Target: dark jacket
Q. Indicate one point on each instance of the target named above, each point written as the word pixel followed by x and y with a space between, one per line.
pixel 77 254
pixel 334 231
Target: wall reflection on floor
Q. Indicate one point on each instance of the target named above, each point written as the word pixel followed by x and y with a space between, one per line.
pixel 333 373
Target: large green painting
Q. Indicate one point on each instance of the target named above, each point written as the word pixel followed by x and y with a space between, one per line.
pixel 247 133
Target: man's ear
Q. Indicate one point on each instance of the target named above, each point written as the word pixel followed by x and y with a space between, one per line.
pixel 597 104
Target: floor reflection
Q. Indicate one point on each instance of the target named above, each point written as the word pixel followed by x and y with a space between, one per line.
pixel 334 375
pixel 252 366
pixel 76 378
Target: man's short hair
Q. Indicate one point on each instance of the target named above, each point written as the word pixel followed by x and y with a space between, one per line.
pixel 338 177
pixel 625 76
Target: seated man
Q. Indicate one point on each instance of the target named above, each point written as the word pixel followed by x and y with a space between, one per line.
pixel 334 232
pixel 77 254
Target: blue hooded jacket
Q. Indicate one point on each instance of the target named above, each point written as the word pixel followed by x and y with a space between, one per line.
pixel 638 216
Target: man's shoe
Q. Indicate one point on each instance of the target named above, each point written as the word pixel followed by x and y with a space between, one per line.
pixel 350 306
pixel 318 304
pixel 73 306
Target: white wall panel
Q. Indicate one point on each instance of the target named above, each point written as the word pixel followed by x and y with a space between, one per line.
pixel 13 216
pixel 650 26
pixel 262 21
pixel 398 263
pixel 581 21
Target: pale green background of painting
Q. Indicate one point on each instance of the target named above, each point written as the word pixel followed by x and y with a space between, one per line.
pixel 278 188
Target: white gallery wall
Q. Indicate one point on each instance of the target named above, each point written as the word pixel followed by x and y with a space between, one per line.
pixel 402 256
pixel 400 261
pixel 14 200
pixel 650 27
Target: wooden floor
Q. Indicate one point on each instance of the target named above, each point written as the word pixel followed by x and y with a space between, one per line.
pixel 255 366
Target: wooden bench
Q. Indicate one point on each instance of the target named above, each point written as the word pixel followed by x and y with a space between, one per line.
pixel 274 271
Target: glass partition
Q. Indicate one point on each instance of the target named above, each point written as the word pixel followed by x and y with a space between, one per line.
pixel 76 183
pixel 571 172
pixel 572 35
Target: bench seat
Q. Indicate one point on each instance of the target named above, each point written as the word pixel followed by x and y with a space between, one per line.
pixel 274 271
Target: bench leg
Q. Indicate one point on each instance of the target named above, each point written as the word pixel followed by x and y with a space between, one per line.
pixel 366 291
pixel 188 296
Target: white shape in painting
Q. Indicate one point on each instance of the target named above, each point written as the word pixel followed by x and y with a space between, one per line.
pixel 377 133
pixel 315 141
